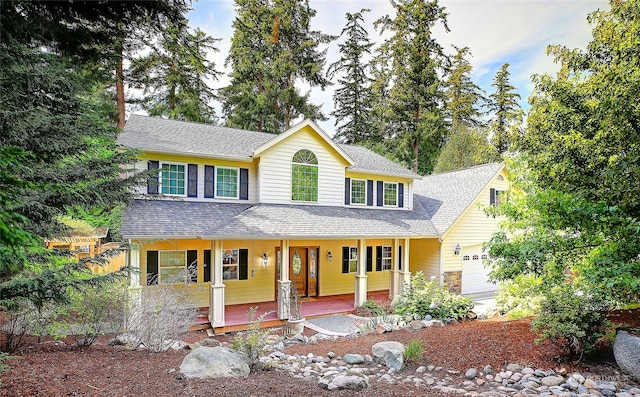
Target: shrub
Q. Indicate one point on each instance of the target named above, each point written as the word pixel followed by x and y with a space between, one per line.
pixel 158 316
pixel 520 297
pixel 414 350
pixel 371 308
pixel 91 313
pixel 251 343
pixel 572 319
pixel 422 297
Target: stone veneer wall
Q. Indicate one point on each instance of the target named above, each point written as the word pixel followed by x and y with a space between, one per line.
pixel 453 281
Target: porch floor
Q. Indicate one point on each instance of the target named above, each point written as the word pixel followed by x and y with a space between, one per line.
pixel 236 315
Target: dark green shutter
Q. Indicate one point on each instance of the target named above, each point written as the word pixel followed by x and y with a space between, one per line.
pixel 208 266
pixel 379 258
pixel 369 259
pixel 243 264
pixel 400 195
pixel 244 184
pixel 347 191
pixel 369 192
pixel 152 184
pixel 345 259
pixel 192 180
pixel 152 267
pixel 380 193
pixel 192 265
pixel 209 177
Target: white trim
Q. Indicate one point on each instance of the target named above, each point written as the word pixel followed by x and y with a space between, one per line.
pixel 171 267
pixel 291 164
pixel 397 193
pixel 215 183
pixel 351 192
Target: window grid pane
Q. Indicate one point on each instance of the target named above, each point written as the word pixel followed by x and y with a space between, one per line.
pixel 353 259
pixel 304 182
pixel 172 179
pixel 358 191
pixel 230 261
pixel 390 194
pixel 226 182
pixel 173 267
pixel 386 258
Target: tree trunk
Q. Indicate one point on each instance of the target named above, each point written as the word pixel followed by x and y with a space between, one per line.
pixel 119 49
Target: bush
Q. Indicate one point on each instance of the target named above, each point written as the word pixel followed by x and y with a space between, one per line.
pixel 520 297
pixel 371 308
pixel 572 319
pixel 251 343
pixel 159 315
pixel 91 313
pixel 422 297
pixel 414 350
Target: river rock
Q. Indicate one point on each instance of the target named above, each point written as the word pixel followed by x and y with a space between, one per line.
pixel 378 350
pixel 214 362
pixel 626 349
pixel 353 359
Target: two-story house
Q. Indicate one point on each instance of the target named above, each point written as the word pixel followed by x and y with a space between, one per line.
pixel 240 217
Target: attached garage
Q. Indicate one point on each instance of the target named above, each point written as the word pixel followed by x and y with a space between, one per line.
pixel 475 276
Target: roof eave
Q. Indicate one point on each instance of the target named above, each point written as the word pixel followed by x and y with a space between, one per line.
pixel 380 173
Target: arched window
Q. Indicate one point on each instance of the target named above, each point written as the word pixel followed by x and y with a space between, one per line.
pixel 304 176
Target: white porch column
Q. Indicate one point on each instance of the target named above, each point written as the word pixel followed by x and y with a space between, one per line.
pixel 284 284
pixel 216 296
pixel 394 280
pixel 132 261
pixel 360 295
pixel 405 274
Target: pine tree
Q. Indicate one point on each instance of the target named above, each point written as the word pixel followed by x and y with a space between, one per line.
pixel 354 99
pixel 466 146
pixel 416 97
pixel 173 76
pixel 503 103
pixel 463 96
pixel 272 48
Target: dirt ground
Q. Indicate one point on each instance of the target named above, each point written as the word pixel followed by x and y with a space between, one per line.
pixel 53 369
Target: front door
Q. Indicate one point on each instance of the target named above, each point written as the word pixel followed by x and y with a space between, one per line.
pixel 303 270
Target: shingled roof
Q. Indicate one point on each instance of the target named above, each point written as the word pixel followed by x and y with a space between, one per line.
pixel 157 135
pixel 446 196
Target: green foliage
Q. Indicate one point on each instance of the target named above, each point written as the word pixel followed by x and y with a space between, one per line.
pixel 462 94
pixel 520 297
pixel 409 85
pixel 414 350
pixel 91 313
pixel 371 308
pixel 572 318
pixel 273 48
pixel 252 342
pixel 465 147
pixel 354 99
pixel 422 297
pixel 173 75
pixel 507 115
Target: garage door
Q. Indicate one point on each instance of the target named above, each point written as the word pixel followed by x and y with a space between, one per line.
pixel 475 277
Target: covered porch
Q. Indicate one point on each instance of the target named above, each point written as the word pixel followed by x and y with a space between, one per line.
pixel 236 315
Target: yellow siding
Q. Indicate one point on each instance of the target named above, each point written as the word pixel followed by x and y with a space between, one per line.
pixel 425 257
pixel 275 169
pixel 472 228
pixel 201 162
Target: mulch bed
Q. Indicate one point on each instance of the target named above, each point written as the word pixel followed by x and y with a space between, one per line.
pixel 54 369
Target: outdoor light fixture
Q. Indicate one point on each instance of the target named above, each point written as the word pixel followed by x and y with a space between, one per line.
pixel 329 255
pixel 265 258
pixel 457 250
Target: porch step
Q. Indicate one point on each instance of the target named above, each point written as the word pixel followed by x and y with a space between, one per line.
pixel 202 320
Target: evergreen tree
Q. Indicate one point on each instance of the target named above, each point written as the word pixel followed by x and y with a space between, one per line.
pixel 463 95
pixel 354 99
pixel 56 140
pixel 416 97
pixel 503 103
pixel 174 75
pixel 272 48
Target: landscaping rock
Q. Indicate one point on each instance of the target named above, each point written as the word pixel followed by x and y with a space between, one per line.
pixel 626 349
pixel 353 359
pixel 471 373
pixel 394 359
pixel 378 350
pixel 214 362
pixel 338 382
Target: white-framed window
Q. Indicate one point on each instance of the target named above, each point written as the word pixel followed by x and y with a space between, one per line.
pixel 358 191
pixel 84 249
pixel 304 176
pixel 230 264
pixel 172 267
pixel 387 257
pixel 349 259
pixel 390 194
pixel 172 179
pixel 227 182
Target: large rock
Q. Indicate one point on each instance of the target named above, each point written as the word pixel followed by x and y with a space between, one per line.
pixel 394 359
pixel 626 349
pixel 214 362
pixel 342 381
pixel 378 350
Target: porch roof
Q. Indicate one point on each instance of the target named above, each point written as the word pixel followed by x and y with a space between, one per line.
pixel 147 219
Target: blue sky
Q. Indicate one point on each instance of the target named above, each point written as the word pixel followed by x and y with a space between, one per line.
pixel 499 31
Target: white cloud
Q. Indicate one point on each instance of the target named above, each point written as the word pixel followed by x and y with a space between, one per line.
pixel 512 31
